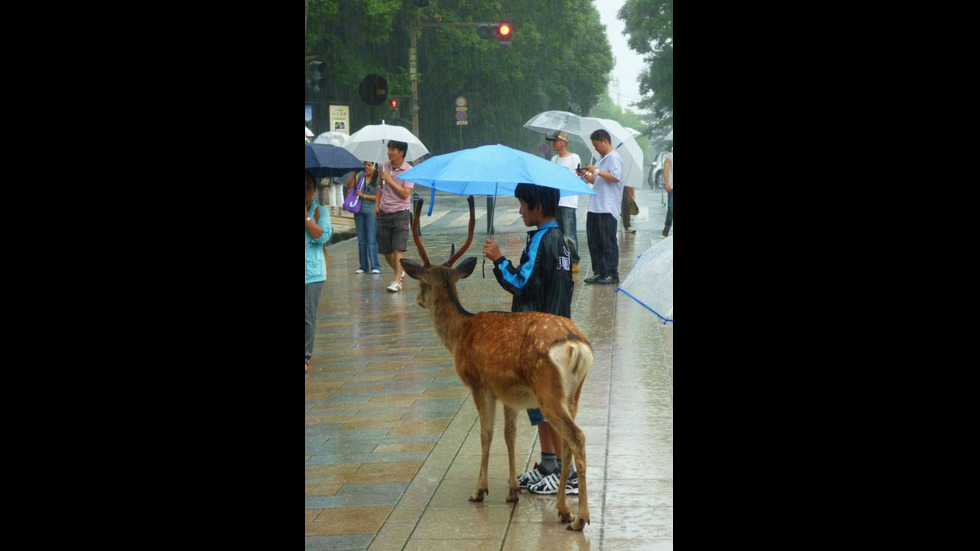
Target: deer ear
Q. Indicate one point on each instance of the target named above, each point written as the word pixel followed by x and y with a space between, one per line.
pixel 465 268
pixel 412 268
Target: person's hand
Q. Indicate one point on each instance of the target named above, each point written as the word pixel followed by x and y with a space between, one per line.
pixel 491 250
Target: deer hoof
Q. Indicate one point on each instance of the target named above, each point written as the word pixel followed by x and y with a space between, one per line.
pixel 565 517
pixel 515 495
pixel 578 525
pixel 478 496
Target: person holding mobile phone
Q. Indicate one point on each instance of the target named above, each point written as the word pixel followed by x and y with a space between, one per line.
pixel 604 210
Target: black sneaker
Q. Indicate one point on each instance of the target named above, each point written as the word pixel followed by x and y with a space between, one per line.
pixel 608 280
pixel 593 279
pixel 549 485
pixel 535 475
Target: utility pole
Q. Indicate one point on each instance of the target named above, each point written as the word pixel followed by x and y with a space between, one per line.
pixel 413 75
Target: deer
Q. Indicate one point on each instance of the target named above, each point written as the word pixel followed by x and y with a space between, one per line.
pixel 522 359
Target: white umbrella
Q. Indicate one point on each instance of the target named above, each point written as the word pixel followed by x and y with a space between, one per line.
pixel 549 122
pixel 332 138
pixel 651 280
pixel 309 133
pixel 371 143
pixel 622 141
pixel 622 138
pixel 670 135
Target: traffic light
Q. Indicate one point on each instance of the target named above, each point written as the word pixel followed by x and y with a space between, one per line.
pixel 393 103
pixel 502 32
pixel 315 75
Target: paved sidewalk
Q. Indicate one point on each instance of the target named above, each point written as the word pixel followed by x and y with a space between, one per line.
pixel 392 435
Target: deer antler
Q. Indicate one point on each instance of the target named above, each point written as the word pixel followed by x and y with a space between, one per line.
pixel 459 253
pixel 415 234
pixel 469 238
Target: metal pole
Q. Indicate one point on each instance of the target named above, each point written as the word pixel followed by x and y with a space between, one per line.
pixel 413 74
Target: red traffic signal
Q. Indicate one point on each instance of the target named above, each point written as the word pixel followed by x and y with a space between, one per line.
pixel 502 32
pixel 393 103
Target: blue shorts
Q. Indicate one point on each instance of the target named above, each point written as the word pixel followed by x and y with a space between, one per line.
pixel 535 416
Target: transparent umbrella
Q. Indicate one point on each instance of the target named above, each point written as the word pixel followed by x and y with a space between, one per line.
pixel 651 280
pixel 622 141
pixel 548 122
pixel 332 138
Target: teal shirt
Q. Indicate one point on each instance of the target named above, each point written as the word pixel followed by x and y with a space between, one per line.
pixel 316 265
pixel 367 205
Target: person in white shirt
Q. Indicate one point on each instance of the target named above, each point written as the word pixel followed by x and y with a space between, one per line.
pixel 568 205
pixel 604 209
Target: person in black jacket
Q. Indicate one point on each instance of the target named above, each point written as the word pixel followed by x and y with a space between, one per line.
pixel 542 282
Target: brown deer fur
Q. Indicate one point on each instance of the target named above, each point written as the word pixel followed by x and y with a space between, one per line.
pixel 523 359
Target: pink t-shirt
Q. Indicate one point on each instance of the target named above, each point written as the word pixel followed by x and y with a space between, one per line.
pixel 391 201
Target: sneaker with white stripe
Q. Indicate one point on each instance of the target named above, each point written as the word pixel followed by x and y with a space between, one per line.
pixel 549 485
pixel 533 476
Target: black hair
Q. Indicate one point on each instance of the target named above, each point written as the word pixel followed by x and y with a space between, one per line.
pixel 600 135
pixel 377 173
pixel 401 146
pixel 311 177
pixel 535 195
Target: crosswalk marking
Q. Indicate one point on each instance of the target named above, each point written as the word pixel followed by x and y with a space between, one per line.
pixel 425 219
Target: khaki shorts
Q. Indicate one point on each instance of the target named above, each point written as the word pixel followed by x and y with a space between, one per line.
pixel 393 229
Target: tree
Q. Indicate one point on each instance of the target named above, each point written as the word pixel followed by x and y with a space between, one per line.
pixel 650 26
pixel 556 59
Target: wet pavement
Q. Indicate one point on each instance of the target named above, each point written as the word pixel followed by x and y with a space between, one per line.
pixel 392 435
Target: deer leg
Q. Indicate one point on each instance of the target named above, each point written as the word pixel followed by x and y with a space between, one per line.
pixel 573 445
pixel 510 436
pixel 486 405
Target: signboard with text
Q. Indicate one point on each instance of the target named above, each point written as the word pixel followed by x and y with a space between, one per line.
pixel 340 119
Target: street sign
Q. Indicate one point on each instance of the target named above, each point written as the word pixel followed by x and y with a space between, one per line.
pixel 460 101
pixel 542 148
pixel 373 89
pixel 461 115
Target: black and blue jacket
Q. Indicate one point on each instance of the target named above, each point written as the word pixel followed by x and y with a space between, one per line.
pixel 543 280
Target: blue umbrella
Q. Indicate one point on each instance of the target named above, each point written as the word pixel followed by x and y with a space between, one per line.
pixel 326 161
pixel 493 170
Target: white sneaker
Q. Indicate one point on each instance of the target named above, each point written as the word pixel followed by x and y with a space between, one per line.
pixel 359 271
pixel 375 271
pixel 395 287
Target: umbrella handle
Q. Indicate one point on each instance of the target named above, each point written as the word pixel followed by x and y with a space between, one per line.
pixel 493 209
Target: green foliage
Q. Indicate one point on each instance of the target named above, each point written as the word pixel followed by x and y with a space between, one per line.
pixel 556 60
pixel 650 26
